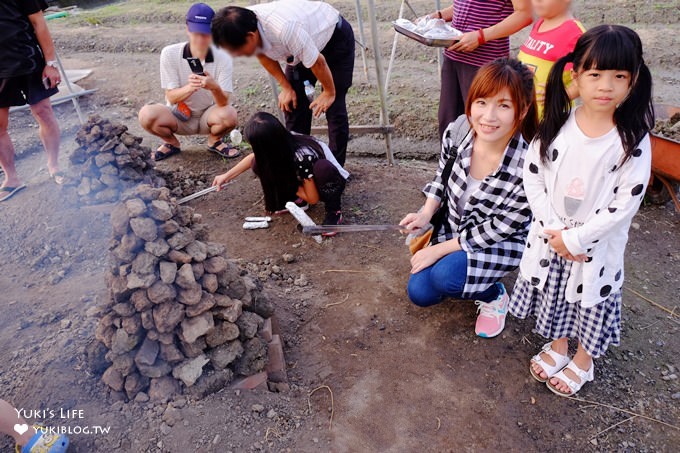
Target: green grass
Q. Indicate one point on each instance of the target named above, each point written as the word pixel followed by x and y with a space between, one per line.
pixel 140 11
pixel 251 90
pixel 93 20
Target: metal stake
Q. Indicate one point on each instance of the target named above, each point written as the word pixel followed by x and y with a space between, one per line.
pixel 385 118
pixel 360 21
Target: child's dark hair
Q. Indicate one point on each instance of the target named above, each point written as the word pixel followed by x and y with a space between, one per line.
pixel 275 148
pixel 605 47
pixel 231 25
pixel 511 74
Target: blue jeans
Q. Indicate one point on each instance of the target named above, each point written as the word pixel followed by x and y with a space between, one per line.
pixel 445 278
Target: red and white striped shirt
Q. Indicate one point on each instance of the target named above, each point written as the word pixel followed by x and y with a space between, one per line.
pixel 471 15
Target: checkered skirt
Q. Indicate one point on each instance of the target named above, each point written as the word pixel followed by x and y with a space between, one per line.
pixel 595 327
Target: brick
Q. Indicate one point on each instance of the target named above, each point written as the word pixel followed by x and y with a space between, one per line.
pixel 276 327
pixel 256 381
pixel 276 365
pixel 266 330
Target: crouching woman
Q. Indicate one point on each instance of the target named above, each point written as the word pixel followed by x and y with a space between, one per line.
pixel 478 185
pixel 291 167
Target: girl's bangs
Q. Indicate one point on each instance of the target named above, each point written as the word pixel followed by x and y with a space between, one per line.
pixel 610 51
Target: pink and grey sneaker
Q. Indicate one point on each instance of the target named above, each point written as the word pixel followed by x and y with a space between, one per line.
pixel 491 318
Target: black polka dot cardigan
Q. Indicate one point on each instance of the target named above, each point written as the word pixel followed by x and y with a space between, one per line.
pixel 603 235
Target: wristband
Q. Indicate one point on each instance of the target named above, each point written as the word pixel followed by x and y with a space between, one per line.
pixel 481 39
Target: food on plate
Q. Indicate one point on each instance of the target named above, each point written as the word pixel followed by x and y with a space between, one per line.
pixel 429 28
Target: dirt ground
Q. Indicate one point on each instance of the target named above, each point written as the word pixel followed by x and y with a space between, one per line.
pixel 402 378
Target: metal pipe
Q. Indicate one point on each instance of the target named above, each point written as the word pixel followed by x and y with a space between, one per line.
pixel 394 48
pixel 385 119
pixel 360 21
pixel 413 11
pixel 76 104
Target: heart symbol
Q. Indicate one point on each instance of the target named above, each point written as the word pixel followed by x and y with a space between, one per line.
pixel 21 428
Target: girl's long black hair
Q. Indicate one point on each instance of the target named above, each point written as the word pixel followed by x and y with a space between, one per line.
pixel 275 148
pixel 604 47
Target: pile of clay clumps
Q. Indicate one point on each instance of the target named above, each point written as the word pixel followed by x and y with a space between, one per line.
pixel 107 161
pixel 669 128
pixel 180 313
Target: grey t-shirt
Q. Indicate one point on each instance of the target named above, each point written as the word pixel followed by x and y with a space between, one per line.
pixel 472 184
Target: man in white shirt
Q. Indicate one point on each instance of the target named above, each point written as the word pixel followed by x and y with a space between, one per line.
pixel 314 41
pixel 197 79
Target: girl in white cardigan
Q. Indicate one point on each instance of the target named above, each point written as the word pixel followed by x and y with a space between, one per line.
pixel 584 176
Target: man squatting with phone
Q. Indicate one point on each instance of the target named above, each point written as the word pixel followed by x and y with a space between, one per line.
pixel 197 78
pixel 28 75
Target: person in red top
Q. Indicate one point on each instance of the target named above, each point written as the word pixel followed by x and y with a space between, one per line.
pixel 486 27
pixel 553 36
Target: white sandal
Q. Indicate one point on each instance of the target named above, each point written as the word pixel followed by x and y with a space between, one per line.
pixel 584 376
pixel 560 362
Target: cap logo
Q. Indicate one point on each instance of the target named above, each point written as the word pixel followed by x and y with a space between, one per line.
pixel 200 17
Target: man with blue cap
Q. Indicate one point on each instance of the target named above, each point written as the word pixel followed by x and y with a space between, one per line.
pixel 197 79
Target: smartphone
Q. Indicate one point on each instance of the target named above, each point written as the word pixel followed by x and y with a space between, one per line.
pixel 47 83
pixel 196 66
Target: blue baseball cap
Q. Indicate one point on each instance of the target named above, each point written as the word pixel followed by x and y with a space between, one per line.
pixel 199 17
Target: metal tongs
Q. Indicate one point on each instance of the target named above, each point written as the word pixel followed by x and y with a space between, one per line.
pixel 320 229
pixel 200 193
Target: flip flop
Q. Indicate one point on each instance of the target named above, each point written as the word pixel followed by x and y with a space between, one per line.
pixel 59 177
pixel 225 152
pixel 10 191
pixel 160 155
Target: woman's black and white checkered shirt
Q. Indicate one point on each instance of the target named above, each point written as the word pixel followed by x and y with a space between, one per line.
pixel 496 218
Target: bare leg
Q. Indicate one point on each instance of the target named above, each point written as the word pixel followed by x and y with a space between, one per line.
pixel 8 418
pixel 50 135
pixel 221 120
pixel 560 346
pixel 7 152
pixel 158 120
pixel 583 360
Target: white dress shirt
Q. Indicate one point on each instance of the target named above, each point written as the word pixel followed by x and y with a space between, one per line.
pixel 295 31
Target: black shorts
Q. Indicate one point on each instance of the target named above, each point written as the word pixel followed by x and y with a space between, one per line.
pixel 25 89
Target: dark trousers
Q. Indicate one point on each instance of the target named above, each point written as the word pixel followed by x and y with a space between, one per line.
pixel 339 54
pixel 329 183
pixel 456 80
